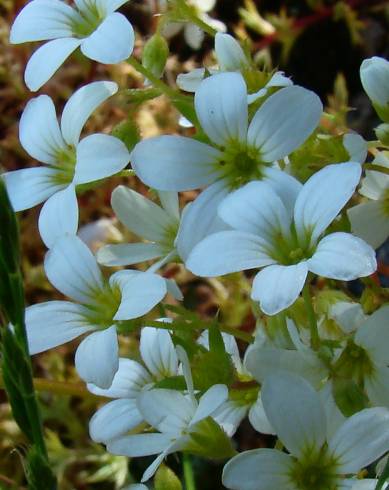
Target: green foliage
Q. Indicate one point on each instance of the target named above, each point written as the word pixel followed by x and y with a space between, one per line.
pixel 128 132
pixel 155 54
pixel 38 472
pixel 166 479
pixel 208 440
pixel 348 396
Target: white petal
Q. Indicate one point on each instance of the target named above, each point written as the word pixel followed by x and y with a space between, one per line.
pixel 348 315
pixel 258 418
pixel 374 77
pixel 150 471
pixel 81 105
pixel 140 215
pixel 375 184
pixel 71 267
pixel 369 222
pixel 210 402
pixel 97 357
pixel 200 215
pixel 334 416
pixel 43 19
pixel 278 286
pixel 295 411
pixel 366 484
pixel 314 211
pixel 205 5
pixel 344 257
pixel 258 469
pixel 356 147
pixel 229 416
pixel 284 121
pixel 128 253
pixel 111 5
pixel 194 36
pixel 229 53
pixel 377 387
pixel 362 439
pixel 170 203
pixel 59 216
pixel 140 293
pixel 99 156
pixel 30 186
pixel 186 371
pixel 139 445
pixel 373 335
pixel 128 381
pixel 111 42
pixel 174 163
pixel 284 185
pixel 226 252
pixel 262 362
pixel 47 59
pixel 114 419
pixel 255 208
pixel 190 82
pixel 158 353
pixel 54 323
pixel 168 411
pixel 222 117
pixel 39 131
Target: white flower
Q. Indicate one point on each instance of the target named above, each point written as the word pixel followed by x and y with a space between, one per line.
pixel 239 151
pixel 286 239
pixel 93 25
pixel 317 460
pixel 375 80
pixel 97 232
pixel 174 415
pixel 121 415
pixel 99 305
pixel 70 161
pixel 370 220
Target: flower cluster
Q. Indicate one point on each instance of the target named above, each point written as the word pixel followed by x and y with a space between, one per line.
pixel 316 372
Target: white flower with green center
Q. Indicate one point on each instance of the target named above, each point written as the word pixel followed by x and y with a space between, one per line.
pixel 374 74
pixel 370 220
pixel 317 460
pixel 286 240
pixel 238 151
pixel 365 357
pixel 102 34
pixel 173 414
pixel 70 161
pixel 119 416
pixel 99 306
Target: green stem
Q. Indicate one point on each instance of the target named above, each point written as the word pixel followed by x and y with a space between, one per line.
pixel 189 479
pixel 157 82
pixel 377 168
pixel 315 339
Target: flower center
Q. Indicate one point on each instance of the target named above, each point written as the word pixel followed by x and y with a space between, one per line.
pixel 240 164
pixel 315 470
pixel 66 163
pixel 104 306
pixel 89 19
pixel 169 237
pixel 291 249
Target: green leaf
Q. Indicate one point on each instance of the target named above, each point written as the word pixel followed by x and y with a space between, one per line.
pixel 166 479
pixel 38 472
pixel 172 383
pixel 139 95
pixel 210 368
pixel 384 477
pixel 155 54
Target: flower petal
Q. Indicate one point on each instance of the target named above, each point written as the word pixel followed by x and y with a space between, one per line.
pixel 114 419
pixel 284 185
pixel 210 402
pixel 139 444
pixel 356 147
pixel 128 381
pixel 59 216
pixel 81 105
pixel 71 267
pixel 258 418
pixel 39 131
pixel 255 208
pixel 222 117
pixel 201 215
pixel 43 19
pixel 54 323
pixel 373 335
pixel 140 215
pixel 158 353
pixel 193 35
pixel 99 156
pixel 174 163
pixel 128 253
pixel 111 42
pixel 369 222
pixel 228 251
pixel 97 357
pixel 229 53
pixel 229 416
pixel 46 60
pixel 295 411
pixel 278 286
pixel 190 82
pixel 258 469
pixel 344 257
pixel 314 211
pixel 377 388
pixel 30 186
pixel 362 439
pixel 284 121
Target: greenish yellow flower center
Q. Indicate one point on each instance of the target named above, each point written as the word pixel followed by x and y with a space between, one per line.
pixel 89 20
pixel 315 470
pixel 104 306
pixel 291 249
pixel 169 237
pixel 65 167
pixel 240 164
